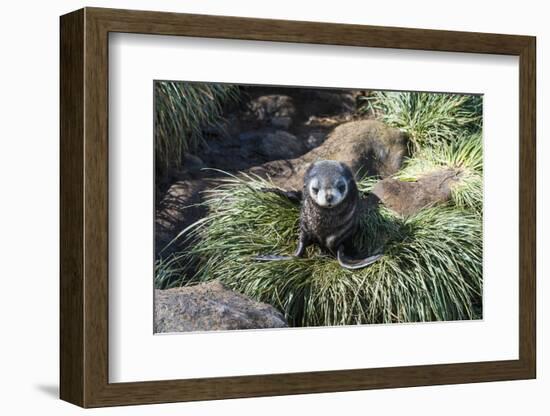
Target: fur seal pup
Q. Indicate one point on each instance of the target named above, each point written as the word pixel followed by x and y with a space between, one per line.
pixel 329 214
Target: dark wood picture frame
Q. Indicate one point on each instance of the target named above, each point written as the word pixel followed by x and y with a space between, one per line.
pixel 84 207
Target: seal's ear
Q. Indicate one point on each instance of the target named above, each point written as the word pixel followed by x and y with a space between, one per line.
pixel 346 172
pixel 309 171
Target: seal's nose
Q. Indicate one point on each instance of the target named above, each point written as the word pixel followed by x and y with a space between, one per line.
pixel 329 198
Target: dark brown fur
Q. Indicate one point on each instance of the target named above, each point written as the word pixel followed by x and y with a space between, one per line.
pixel 327 219
pixel 328 227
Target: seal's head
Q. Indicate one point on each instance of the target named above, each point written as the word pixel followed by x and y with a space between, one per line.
pixel 328 183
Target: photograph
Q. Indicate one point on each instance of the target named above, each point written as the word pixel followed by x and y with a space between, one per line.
pixel 292 207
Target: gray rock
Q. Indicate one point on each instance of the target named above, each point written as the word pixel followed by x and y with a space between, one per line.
pixel 192 163
pixel 368 146
pixel 272 144
pixel 281 122
pixel 407 198
pixel 315 139
pixel 274 110
pixel 252 136
pixel 281 145
pixel 211 307
pixel 330 102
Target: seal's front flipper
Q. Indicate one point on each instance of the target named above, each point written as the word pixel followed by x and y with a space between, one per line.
pixel 294 196
pixel 354 264
pixel 272 257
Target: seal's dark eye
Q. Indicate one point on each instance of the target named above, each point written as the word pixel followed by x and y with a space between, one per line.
pixel 342 188
pixel 315 190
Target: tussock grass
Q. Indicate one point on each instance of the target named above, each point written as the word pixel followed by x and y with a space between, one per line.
pixel 430 119
pixel 169 271
pixel 431 269
pixel 183 110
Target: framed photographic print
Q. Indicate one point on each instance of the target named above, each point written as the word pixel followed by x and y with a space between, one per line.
pixel 255 207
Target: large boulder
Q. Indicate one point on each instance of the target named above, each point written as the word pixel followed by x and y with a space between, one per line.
pixel 321 102
pixel 366 146
pixel 271 144
pixel 281 145
pixel 407 198
pixel 211 307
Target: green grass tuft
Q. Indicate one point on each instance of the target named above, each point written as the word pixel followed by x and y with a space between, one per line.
pixel 183 111
pixel 431 269
pixel 430 119
pixel 169 271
